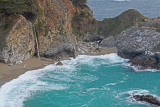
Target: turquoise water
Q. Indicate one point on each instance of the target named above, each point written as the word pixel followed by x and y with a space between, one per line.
pixel 87 81
pixel 111 8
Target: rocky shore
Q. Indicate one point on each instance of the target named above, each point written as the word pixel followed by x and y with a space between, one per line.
pixel 8 73
pixel 139 43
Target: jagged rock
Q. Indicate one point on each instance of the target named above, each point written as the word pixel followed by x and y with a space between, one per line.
pixel 19 40
pixel 147 98
pixel 139 44
pixel 92 37
pixel 137 40
pixel 59 63
pixel 108 42
pixel 60 50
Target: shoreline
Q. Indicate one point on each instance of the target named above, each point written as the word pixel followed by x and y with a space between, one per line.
pixel 8 73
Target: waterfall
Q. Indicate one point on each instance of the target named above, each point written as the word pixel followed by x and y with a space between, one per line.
pixel 38 56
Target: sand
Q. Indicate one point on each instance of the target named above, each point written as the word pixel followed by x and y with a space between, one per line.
pixel 8 73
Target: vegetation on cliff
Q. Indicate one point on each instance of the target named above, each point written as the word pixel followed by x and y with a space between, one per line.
pixel 80 3
pixel 114 26
pixel 28 8
pixel 5 25
pixel 83 20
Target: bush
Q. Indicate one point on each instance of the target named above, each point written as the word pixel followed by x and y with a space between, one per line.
pixel 81 3
pixel 28 8
pixel 114 26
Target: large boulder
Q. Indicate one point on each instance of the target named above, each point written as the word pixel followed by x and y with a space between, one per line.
pixel 139 45
pixel 60 51
pixel 137 40
pixel 108 42
pixel 89 37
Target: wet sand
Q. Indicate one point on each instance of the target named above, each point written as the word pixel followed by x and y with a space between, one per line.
pixel 7 73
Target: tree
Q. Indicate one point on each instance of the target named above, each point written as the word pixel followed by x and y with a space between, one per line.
pixel 28 8
pixel 81 3
pixel 13 6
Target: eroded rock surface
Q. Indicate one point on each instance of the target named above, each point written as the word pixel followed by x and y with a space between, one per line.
pixel 139 45
pixel 19 43
pixel 60 51
pixel 108 42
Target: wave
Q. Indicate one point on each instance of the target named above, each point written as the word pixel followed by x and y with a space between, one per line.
pixel 15 92
pixel 137 68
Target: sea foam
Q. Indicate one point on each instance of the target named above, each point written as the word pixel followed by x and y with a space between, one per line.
pixel 15 92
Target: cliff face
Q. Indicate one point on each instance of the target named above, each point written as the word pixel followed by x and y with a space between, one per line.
pixel 17 42
pixel 55 23
pixel 141 44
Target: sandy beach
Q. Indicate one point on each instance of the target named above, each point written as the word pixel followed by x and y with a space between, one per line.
pixel 7 73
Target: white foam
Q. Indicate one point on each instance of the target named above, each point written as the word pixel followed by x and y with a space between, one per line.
pixel 15 92
pixel 138 68
pixel 110 84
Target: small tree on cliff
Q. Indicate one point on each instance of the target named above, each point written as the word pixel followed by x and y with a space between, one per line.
pixel 81 3
pixel 13 6
pixel 28 8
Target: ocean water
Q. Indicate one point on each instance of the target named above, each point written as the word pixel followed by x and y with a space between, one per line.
pixel 111 8
pixel 87 81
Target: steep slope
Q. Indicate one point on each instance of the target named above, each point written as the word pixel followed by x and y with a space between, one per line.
pixel 17 39
pixel 54 22
pixel 114 26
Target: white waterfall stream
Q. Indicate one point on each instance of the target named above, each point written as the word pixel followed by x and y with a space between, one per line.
pixel 37 44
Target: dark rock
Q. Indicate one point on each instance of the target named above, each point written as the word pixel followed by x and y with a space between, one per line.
pixel 108 42
pixel 59 63
pixel 92 37
pixel 60 50
pixel 145 62
pixel 147 98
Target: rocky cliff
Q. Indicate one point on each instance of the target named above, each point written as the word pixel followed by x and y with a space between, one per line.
pixel 55 23
pixel 136 37
pixel 141 44
pixel 62 27
pixel 17 39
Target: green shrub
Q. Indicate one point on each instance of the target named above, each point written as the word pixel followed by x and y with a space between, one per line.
pixel 80 3
pixel 28 8
pixel 114 26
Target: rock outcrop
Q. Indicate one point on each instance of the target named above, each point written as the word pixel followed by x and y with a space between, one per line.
pixel 60 51
pixel 108 42
pixel 59 63
pixel 147 98
pixel 19 40
pixel 139 45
